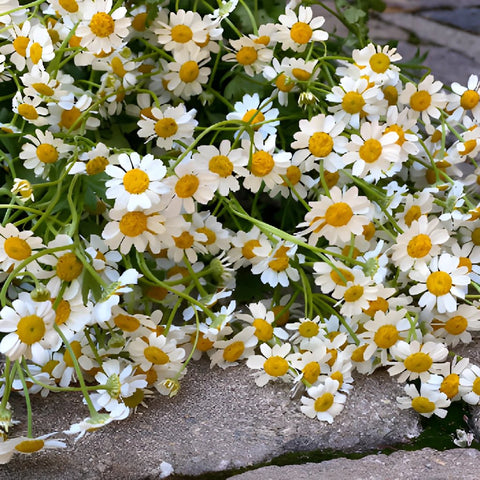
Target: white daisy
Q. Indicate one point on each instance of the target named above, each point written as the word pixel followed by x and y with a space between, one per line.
pixel 240 346
pixel 427 403
pixel 324 401
pixel 249 54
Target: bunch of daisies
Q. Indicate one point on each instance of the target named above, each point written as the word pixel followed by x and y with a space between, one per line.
pixel 188 183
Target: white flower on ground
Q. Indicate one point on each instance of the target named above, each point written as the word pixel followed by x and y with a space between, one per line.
pixel 324 401
pixel 427 403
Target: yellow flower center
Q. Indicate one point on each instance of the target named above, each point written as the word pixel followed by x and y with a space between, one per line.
pixel 253 117
pixel 469 99
pixel 135 399
pixel 418 362
pixel 476 386
pixel 17 248
pixel 320 144
pixel 189 71
pixel 166 127
pixel 414 213
pixel 69 5
pixel 50 366
pixel 30 446
pixel 390 94
pixel 264 330
pixel 27 111
pixel 353 293
pixel 301 74
pixel 221 165
pixel 301 32
pixel 117 67
pixel 420 100
pixel 353 102
pixel 276 366
pixel 280 260
pixel 449 386
pixel 186 186
pixel 379 62
pixel 379 304
pixel 311 371
pixel 323 403
pixel 465 262
pixel 43 89
pixel 127 323
pixel 338 214
pixel 77 351
pixel 139 22
pixel 136 181
pixel 203 343
pixel 133 224
pixel 102 25
pixel 246 55
pixel 293 175
pixel 263 40
pixel 181 34
pixel 62 313
pixel 156 355
pixel 69 117
pixel 423 405
pixel 357 354
pixel 419 246
pixel 338 376
pixel 468 147
pixel 456 325
pixel 30 329
pixel 284 83
pixel 308 329
pixel 210 234
pixel 247 249
pixel 476 236
pixel 386 336
pixel 69 267
pixel 399 131
pixel 370 150
pixel 347 276
pixel 47 153
pixel 96 165
pixel 184 241
pixel 20 45
pixel 439 283
pixel 233 352
pixel 36 51
pixel 262 163
pixel 282 315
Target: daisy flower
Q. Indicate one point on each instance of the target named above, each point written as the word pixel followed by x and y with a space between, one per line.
pixel 274 363
pixel 470 385
pixel 465 99
pixel 139 229
pixel 405 126
pixel 168 126
pixel 42 151
pixel 421 241
pixel 189 242
pixel 304 330
pixel 224 163
pixel 310 364
pixel 240 346
pixel 425 99
pixel 218 238
pixel 374 153
pixel 336 217
pixel 417 360
pixel 184 30
pixel 252 56
pixel 455 327
pixel 72 315
pixel 187 74
pixel 94 161
pixel 263 320
pixel 375 63
pixel 449 382
pixel 136 183
pixel 327 275
pixel 258 115
pixel 100 29
pixel 440 283
pixel 356 99
pixel 27 445
pixel 427 403
pixel 265 165
pixel 70 115
pixel 249 247
pixel 17 246
pixel 297 31
pixel 320 139
pixel 29 109
pixel 324 401
pixel 29 328
pixel 37 81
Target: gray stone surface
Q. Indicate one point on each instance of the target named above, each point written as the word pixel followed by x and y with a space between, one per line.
pixel 464 18
pixel 220 420
pixel 426 464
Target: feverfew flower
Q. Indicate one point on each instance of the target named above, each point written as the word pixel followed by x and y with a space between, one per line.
pixel 427 403
pixel 324 401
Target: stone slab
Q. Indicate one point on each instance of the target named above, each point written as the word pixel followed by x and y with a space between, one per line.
pixel 219 420
pixel 467 19
pixel 415 5
pixel 426 464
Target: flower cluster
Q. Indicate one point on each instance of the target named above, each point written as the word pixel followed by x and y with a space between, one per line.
pixel 188 183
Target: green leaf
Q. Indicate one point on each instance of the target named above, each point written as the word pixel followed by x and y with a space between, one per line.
pixel 354 14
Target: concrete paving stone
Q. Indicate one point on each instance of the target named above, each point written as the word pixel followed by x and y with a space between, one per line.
pixel 426 464
pixel 467 19
pixel 219 420
pixel 415 5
